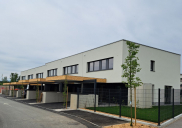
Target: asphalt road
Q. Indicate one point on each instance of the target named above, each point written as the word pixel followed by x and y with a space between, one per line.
pixel 18 115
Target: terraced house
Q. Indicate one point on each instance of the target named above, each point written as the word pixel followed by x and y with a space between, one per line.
pixel 160 69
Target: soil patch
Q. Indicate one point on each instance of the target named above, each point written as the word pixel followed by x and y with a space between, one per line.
pixel 127 125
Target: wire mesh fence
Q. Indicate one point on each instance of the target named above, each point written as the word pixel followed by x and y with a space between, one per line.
pixel 155 105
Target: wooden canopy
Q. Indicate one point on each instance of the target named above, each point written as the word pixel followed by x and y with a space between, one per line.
pixel 39 80
pixel 6 83
pixel 18 83
pixel 74 78
pixel 23 81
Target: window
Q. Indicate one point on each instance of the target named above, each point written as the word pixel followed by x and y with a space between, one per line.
pixel 99 65
pixel 23 78
pixel 152 65
pixel 181 79
pixel 103 64
pixel 39 75
pixel 96 66
pixel 71 69
pixel 91 66
pixel 52 72
pixel 30 76
pixel 111 63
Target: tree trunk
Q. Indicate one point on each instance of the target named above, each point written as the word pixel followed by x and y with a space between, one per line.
pixel 131 104
pixel 135 105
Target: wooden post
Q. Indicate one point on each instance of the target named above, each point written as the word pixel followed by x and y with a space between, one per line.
pixel 23 92
pixel 135 105
pixel 67 97
pixel 38 95
pixel 13 92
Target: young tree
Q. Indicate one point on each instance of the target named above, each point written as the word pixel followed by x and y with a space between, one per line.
pixel 130 68
pixel 14 77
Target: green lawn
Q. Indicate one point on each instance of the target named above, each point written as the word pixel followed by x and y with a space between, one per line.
pixel 149 114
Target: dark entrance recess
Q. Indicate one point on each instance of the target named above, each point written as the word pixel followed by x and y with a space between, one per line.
pixel 168 90
pixel 106 92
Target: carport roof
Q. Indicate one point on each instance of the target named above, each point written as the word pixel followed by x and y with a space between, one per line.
pixel 18 83
pixel 23 81
pixel 6 83
pixel 74 78
pixel 39 81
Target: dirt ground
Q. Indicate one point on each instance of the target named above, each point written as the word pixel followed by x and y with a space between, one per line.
pixel 127 125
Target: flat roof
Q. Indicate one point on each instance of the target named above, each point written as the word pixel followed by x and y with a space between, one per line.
pixel 103 46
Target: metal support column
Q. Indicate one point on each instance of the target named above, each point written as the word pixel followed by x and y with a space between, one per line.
pixel 173 102
pixel 41 87
pixel 159 107
pixel 95 86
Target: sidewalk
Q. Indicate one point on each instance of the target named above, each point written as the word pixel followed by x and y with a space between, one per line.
pixel 177 124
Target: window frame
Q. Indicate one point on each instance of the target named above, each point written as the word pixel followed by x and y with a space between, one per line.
pixel 52 72
pixel 41 75
pixel 65 69
pixel 100 65
pixel 23 77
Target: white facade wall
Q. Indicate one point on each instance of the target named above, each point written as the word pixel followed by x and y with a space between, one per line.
pixel 167 65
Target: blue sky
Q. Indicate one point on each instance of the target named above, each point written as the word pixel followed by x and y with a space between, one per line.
pixel 35 32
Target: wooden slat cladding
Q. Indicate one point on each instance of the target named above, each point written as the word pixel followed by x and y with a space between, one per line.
pixel 75 78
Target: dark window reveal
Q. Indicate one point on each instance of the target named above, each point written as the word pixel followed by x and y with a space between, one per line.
pixel 30 76
pixel 23 78
pixel 152 65
pixel 52 72
pixel 39 75
pixel 99 65
pixel 70 69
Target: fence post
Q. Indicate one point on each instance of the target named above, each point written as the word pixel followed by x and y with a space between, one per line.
pixel 77 98
pixel 159 107
pixel 173 102
pixel 120 103
pixel 109 97
pixel 95 101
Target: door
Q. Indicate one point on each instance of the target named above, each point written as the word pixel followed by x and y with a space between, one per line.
pixel 168 94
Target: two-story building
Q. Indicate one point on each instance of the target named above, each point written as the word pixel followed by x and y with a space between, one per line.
pixel 160 68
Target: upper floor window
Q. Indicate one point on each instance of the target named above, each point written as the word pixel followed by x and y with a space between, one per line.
pixel 39 75
pixel 23 77
pixel 71 69
pixel 181 79
pixel 52 72
pixel 30 76
pixel 152 65
pixel 99 65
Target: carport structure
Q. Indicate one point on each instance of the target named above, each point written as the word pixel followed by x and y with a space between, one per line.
pixel 52 87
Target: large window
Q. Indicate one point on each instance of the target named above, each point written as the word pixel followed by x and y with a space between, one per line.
pixel 39 75
pixel 23 77
pixel 73 69
pixel 30 76
pixel 99 65
pixel 52 72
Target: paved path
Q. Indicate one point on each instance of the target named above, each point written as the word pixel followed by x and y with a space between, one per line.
pixel 17 115
pixel 177 124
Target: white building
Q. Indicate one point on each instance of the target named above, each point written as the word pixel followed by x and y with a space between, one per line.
pixel 160 68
